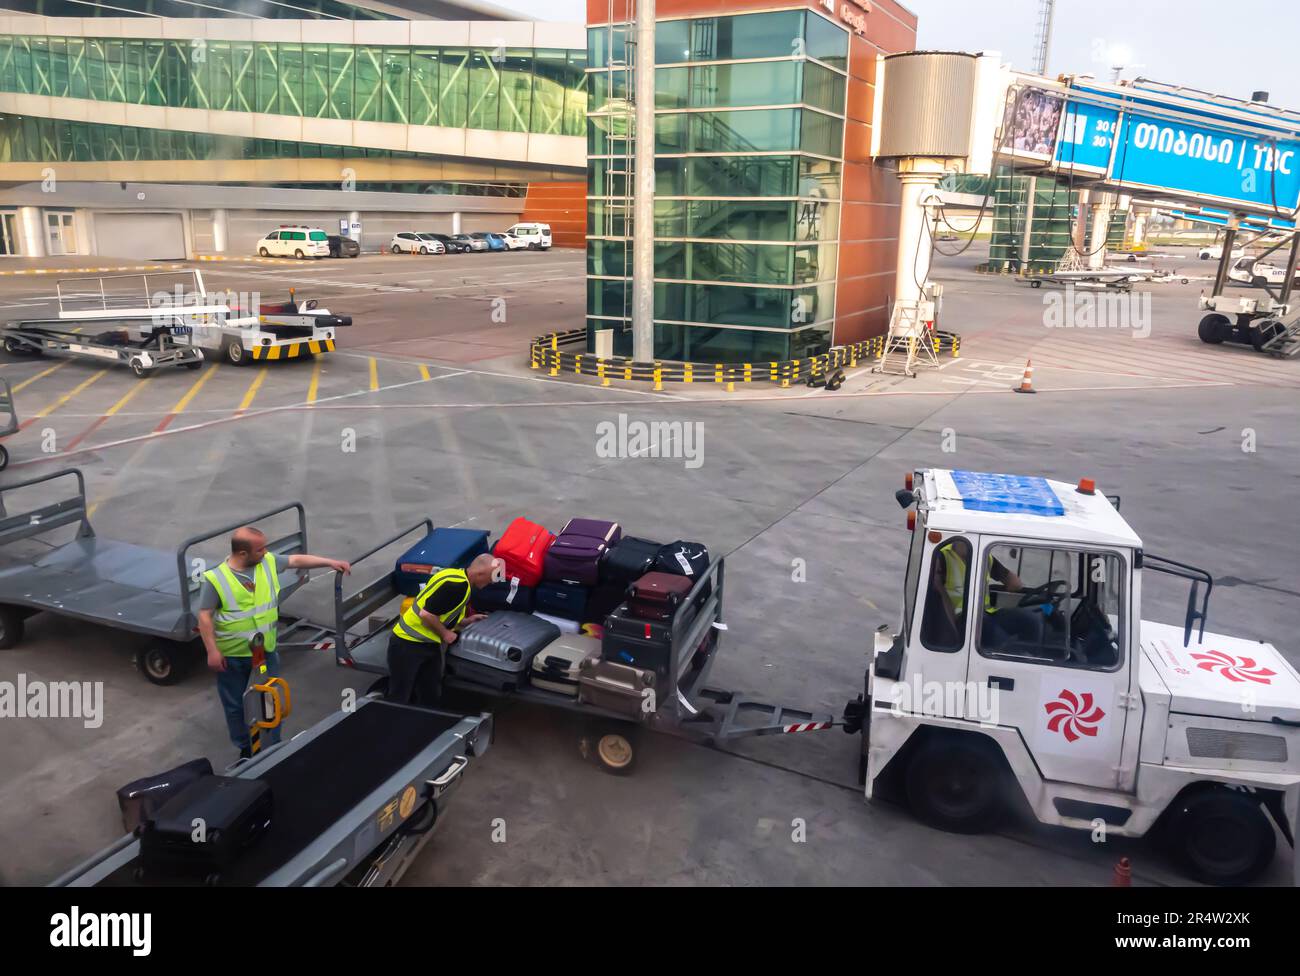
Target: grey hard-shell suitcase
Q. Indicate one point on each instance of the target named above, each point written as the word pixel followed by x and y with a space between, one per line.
pixel 499 650
pixel 556 667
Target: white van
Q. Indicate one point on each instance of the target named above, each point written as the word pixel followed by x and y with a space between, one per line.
pixel 295 242
pixel 536 236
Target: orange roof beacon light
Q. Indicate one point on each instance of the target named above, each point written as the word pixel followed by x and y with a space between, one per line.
pixel 1086 487
pixel 911 520
pixel 907 481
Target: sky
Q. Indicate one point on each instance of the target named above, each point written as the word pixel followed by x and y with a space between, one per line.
pixel 1228 48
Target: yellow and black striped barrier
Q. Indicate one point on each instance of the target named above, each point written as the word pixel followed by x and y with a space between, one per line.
pixel 555 353
pixel 292 350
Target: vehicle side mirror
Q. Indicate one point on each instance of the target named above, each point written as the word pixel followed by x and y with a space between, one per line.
pixel 904 497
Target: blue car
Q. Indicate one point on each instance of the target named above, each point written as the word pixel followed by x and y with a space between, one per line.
pixel 495 242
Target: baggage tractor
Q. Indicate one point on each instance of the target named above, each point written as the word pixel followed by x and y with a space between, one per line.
pixel 498 651
pixel 575 559
pixel 234 812
pixel 617 687
pixel 556 667
pixel 683 558
pixel 523 548
pixel 643 644
pixel 440 549
pixel 629 560
pixel 504 596
pixel 562 600
pixel 140 799
pixel 656 596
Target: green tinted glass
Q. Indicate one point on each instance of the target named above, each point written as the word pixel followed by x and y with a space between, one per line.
pixel 768 35
pixel 752 131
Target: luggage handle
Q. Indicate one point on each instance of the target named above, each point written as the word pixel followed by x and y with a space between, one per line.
pixel 449 776
pixel 277 690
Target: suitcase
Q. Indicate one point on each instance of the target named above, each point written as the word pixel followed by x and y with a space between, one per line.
pixel 140 799
pixel 563 624
pixel 498 651
pixel 656 596
pixel 440 549
pixel 235 813
pixel 504 596
pixel 562 600
pixel 631 559
pixel 523 548
pixel 602 600
pixel 575 559
pixel 607 532
pixel 556 667
pixel 642 644
pixel 616 687
pixel 683 558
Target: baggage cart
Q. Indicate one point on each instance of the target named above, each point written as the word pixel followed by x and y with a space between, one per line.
pixel 8 419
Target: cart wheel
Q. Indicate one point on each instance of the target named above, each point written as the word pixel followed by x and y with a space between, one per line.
pixel 1035 284
pixel 11 627
pixel 137 367
pixel 164 663
pixel 235 353
pixel 614 751
pixel 4 457
pixel 16 348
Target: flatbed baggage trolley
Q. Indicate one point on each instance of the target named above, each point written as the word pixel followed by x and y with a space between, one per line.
pixel 354 799
pixel 8 419
pixel 123 585
pixel 685 704
pixel 159 349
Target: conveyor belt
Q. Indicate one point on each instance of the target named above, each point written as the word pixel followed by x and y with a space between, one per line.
pixel 313 787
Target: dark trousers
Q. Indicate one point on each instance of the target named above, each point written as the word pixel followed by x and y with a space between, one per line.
pixel 414 672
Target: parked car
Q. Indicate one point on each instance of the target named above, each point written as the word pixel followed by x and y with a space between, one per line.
pixel 475 242
pixel 452 245
pixel 343 247
pixel 1215 251
pixel 412 243
pixel 494 241
pixel 536 236
pixel 514 243
pixel 431 240
pixel 297 242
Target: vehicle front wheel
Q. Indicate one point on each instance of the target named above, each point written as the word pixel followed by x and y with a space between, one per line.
pixel 424 250
pixel 263 252
pixel 955 783
pixel 1214 328
pixel 1223 836
pixel 235 353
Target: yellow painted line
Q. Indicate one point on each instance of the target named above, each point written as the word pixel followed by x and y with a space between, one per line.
pixel 140 385
pixel 424 372
pixel 252 390
pixel 28 382
pixel 70 394
pixel 190 394
pixel 374 374
pixel 91 510
pixel 315 382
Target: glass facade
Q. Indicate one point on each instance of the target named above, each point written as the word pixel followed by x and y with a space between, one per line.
pixel 1049 235
pixel 513 90
pixel 296 9
pixel 749 129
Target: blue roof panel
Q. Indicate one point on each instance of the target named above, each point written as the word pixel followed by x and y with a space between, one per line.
pixel 1007 493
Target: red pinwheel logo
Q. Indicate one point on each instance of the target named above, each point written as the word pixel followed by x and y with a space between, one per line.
pixel 1234 668
pixel 1073 715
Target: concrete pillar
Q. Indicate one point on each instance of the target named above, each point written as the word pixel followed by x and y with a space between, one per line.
pixel 1140 226
pixel 455 223
pixel 1079 233
pixel 31 232
pixel 1100 227
pixel 643 208
pixel 1027 232
pixel 919 177
pixel 220 232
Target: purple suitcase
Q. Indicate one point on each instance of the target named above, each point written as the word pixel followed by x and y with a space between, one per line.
pixel 607 532
pixel 575 556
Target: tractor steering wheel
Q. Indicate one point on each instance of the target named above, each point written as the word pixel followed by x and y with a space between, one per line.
pixel 1053 592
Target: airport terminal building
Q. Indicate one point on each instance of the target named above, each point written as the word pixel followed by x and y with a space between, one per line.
pixel 171 129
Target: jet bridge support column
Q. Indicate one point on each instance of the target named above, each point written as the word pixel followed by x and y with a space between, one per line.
pixel 1100 230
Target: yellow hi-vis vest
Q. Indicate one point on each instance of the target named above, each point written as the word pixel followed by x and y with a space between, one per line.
pixel 410 627
pixel 954 580
pixel 243 613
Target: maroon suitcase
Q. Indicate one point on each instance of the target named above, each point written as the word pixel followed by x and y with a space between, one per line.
pixel 656 596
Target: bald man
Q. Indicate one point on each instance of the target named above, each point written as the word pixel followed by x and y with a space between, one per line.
pixel 238 599
pixel 428 626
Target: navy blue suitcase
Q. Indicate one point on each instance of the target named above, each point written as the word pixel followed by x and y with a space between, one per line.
pixel 567 600
pixel 504 596
pixel 440 549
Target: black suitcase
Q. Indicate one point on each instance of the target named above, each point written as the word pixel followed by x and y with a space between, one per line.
pixel 603 599
pixel 234 814
pixel 644 644
pixel 629 560
pixel 567 600
pixel 683 559
pixel 504 596
pixel 141 798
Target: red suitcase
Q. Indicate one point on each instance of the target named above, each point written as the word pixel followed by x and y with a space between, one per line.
pixel 656 596
pixel 523 547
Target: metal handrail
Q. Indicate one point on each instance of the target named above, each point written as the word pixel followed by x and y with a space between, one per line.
pixel 341 621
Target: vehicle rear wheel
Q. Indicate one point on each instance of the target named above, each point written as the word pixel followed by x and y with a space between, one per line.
pixel 1214 328
pixel 165 662
pixel 298 254
pixel 954 783
pixel 12 625
pixel 263 252
pixel 1223 836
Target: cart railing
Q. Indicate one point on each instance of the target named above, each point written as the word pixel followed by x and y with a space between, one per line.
pixel 370 597
pixel 8 415
pixel 38 521
pixel 138 293
pixel 286 545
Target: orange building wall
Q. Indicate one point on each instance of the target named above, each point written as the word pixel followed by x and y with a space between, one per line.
pixel 563 205
pixel 869 211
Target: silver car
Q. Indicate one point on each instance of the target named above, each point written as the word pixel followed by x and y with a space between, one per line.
pixel 475 243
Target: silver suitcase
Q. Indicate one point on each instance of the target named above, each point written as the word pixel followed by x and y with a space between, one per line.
pixel 498 651
pixel 556 667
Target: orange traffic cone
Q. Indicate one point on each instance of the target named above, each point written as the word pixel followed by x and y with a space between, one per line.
pixel 1027 383
pixel 1123 874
